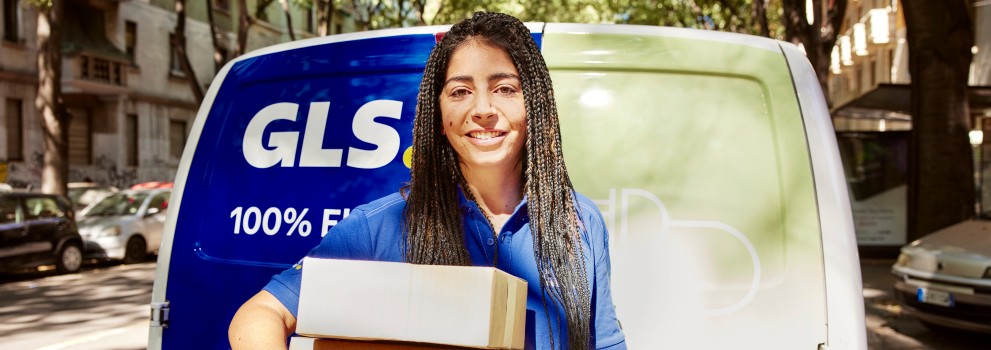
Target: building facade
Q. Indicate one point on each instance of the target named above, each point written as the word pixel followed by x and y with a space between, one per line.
pixel 130 102
pixel 871 108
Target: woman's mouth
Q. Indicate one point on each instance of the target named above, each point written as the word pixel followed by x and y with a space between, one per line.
pixel 486 135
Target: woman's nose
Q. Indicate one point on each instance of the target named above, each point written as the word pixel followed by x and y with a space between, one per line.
pixel 483 108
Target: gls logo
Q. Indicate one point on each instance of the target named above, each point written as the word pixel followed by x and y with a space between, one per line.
pixel 282 145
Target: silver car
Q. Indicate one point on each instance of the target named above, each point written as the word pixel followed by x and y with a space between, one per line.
pixel 126 225
pixel 944 278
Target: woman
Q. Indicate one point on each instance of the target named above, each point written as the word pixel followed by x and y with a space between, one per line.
pixel 488 187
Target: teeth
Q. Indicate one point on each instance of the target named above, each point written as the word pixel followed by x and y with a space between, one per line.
pixel 484 135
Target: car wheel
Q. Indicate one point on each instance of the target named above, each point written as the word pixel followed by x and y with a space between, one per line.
pixel 136 250
pixel 69 259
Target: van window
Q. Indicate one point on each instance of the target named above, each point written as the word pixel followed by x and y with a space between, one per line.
pixel 10 211
pixel 42 208
pixel 702 173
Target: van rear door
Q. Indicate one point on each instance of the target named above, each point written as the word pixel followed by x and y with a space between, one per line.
pixel 698 150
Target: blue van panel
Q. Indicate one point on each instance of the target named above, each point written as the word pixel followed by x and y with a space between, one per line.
pixel 240 223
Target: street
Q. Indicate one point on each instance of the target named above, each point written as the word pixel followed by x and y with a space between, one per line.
pixel 105 307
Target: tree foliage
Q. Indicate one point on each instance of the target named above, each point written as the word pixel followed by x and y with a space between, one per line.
pixel 758 17
pixel 725 15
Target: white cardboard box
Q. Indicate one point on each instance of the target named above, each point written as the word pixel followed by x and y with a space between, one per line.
pixel 480 307
pixel 307 343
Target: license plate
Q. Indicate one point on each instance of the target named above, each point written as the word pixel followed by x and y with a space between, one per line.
pixel 935 297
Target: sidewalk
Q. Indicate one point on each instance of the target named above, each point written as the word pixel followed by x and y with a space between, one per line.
pixel 889 328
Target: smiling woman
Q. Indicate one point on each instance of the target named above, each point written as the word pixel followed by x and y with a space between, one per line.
pixel 488 187
pixel 484 113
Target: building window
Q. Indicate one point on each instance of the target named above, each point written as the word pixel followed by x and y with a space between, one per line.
pixel 177 137
pixel 175 67
pixel 11 21
pixel 131 39
pixel 890 65
pixel 872 76
pixel 309 20
pixel 131 139
pixel 80 145
pixel 15 129
pixel 223 5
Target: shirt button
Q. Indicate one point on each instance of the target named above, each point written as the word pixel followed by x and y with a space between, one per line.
pixel 490 241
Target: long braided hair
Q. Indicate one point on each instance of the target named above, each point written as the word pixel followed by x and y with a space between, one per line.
pixel 433 222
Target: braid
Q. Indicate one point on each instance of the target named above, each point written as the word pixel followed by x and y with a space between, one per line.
pixel 433 222
pixel 432 215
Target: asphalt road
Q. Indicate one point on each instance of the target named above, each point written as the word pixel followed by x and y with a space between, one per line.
pixel 105 307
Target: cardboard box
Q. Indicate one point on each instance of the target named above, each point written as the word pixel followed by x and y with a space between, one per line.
pixel 478 307
pixel 306 343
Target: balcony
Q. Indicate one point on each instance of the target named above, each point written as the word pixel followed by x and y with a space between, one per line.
pixel 91 63
pixel 89 73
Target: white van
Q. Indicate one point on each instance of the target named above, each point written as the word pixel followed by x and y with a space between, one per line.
pixel 710 154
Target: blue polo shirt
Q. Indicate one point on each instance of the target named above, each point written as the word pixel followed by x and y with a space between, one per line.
pixel 372 232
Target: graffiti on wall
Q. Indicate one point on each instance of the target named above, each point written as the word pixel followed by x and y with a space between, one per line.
pixel 104 170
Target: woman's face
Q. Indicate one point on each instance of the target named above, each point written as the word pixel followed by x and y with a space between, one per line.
pixel 482 107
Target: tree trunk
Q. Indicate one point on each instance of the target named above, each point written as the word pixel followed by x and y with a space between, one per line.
pixel 324 16
pixel 54 117
pixel 218 54
pixel 941 177
pixel 285 9
pixel 179 44
pixel 243 24
pixel 817 38
pixel 420 7
pixel 760 16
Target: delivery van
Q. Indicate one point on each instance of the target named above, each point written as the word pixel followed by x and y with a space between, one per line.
pixel 711 155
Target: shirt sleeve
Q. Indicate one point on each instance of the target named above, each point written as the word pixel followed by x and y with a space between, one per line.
pixel 346 240
pixel 606 327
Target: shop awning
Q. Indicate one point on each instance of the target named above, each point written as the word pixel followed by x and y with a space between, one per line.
pixel 889 107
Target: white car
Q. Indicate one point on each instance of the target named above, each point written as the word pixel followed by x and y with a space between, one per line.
pixel 126 225
pixel 944 278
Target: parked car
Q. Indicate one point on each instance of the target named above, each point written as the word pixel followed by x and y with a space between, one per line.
pixel 126 225
pixel 38 229
pixel 83 194
pixel 944 278
pixel 151 184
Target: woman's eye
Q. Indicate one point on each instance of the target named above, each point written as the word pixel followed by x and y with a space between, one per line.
pixel 506 90
pixel 457 93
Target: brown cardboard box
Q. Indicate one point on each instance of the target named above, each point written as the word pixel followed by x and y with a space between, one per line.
pixel 478 307
pixel 306 343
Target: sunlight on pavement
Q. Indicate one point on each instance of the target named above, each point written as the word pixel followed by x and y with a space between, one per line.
pixel 136 335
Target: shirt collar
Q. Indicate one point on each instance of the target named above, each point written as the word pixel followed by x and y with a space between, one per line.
pixel 467 204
